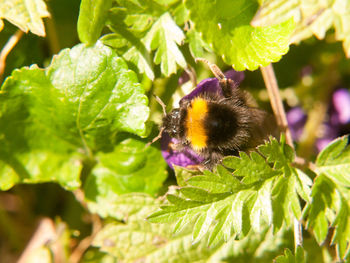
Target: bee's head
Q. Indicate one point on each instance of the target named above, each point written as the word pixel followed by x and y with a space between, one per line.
pixel 171 123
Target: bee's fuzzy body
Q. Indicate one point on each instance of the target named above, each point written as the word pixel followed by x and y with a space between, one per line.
pixel 215 124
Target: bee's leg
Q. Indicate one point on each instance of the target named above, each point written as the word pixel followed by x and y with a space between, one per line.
pixel 214 69
pixel 214 158
pixel 227 85
pixel 198 167
pixel 177 147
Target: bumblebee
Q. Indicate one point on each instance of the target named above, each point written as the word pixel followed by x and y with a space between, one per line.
pixel 216 124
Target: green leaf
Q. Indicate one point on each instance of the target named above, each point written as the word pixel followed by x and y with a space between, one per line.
pixel 92 18
pixel 128 32
pixel 37 166
pixel 221 182
pixel 109 93
pixel 303 185
pixel 143 26
pixel 25 14
pixel 95 256
pixel 229 33
pixel 208 206
pixel 84 93
pixel 288 256
pixel 261 209
pixel 322 199
pixel 138 240
pixel 125 207
pixel 253 168
pixel 254 196
pixel 196 43
pixel 133 241
pixel 341 223
pixel 311 17
pixel 136 53
pixel 137 237
pixel 155 243
pixel 329 207
pixel 183 175
pixel 72 108
pixel 138 22
pixel 278 153
pixel 330 195
pixel 164 37
pixel 334 161
pixel 166 2
pixel 129 168
pixel 285 198
pixel 180 14
pixel 152 7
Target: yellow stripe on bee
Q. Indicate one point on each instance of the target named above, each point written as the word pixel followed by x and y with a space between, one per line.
pixel 194 124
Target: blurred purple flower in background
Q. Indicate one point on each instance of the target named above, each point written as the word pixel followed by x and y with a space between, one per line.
pixel 340 107
pixel 187 156
pixel 296 121
pixel 337 124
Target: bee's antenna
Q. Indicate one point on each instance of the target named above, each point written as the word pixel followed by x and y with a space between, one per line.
pixel 161 103
pixel 214 69
pixel 156 138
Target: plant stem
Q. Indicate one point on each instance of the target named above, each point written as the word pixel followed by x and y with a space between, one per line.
pixel 11 43
pixel 277 107
pixel 79 251
pixel 46 235
pixel 84 244
pixel 276 101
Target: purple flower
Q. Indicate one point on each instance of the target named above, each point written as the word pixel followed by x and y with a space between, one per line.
pixel 337 124
pixel 341 107
pixel 296 118
pixel 186 156
pixel 211 85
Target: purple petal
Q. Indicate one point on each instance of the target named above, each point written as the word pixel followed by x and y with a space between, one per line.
pixel 211 85
pixel 341 105
pixel 296 120
pixel 236 76
pixel 182 158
